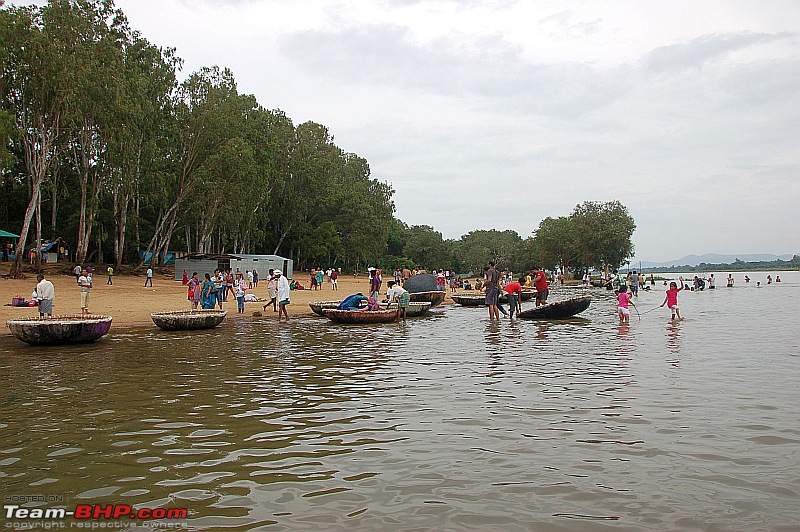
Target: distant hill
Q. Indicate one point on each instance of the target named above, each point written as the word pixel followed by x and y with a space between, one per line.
pixel 711 258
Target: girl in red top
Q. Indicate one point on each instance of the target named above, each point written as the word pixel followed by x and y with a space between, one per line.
pixel 672 298
pixel 623 299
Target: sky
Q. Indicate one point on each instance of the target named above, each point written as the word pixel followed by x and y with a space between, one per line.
pixel 494 114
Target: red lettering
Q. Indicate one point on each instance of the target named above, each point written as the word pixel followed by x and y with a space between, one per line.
pixel 121 510
pixel 159 513
pixel 100 511
pixel 144 513
pixel 177 513
pixel 83 511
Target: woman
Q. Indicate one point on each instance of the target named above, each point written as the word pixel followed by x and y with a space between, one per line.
pixel 272 290
pixel 209 293
pixel 255 278
pixel 195 290
pixel 240 287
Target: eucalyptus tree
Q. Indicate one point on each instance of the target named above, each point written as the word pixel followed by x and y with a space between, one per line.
pixel 426 247
pixel 142 112
pixel 207 112
pixel 36 88
pixel 556 243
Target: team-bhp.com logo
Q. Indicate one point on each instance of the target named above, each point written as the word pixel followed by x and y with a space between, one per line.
pixel 93 512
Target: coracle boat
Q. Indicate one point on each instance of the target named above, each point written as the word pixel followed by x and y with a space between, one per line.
pixel 557 311
pixel 434 297
pixel 319 306
pixel 188 320
pixel 361 316
pixel 71 329
pixel 479 300
pixel 414 309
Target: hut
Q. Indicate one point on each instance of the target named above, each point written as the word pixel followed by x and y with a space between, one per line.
pixel 207 263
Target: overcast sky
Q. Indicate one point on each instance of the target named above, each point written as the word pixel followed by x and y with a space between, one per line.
pixel 496 114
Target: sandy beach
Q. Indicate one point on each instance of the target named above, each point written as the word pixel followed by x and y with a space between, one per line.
pixel 130 303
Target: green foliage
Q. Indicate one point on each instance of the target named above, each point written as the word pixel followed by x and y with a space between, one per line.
pixel 475 249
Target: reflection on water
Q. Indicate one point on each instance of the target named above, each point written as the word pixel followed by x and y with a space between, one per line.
pixel 447 422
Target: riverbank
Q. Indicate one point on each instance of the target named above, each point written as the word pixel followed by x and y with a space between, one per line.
pixel 131 303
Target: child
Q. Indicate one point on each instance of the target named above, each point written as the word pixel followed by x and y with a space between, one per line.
pixel 672 298
pixel 623 299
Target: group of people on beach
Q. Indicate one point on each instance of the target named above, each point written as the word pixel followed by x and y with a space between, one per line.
pixel 212 291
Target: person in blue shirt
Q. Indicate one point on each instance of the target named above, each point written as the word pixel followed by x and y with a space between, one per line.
pixel 353 302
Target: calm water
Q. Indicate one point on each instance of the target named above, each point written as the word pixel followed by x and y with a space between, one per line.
pixel 449 422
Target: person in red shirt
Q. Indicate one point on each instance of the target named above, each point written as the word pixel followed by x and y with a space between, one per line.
pixel 513 291
pixel 542 289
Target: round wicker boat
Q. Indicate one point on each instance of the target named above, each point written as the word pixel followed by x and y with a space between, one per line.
pixel 414 309
pixel 469 300
pixel 188 320
pixel 557 311
pixel 361 316
pixel 72 329
pixel 434 297
pixel 319 306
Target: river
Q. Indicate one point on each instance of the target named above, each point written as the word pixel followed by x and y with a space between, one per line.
pixel 447 422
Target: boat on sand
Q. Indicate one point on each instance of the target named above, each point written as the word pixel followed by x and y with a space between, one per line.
pixel 58 330
pixel 361 316
pixel 558 310
pixel 188 320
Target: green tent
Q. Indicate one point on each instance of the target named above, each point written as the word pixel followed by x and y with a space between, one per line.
pixel 6 234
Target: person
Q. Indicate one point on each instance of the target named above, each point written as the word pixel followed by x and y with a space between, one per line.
pixel 219 292
pixel 514 294
pixel 769 279
pixel 86 286
pixel 272 290
pixel 89 273
pixel 249 277
pixel 671 300
pixel 492 286
pixel 227 284
pixel 195 290
pixel 375 283
pixel 633 282
pixel 76 271
pixel 406 274
pixel 283 295
pixel 777 278
pixel 209 293
pixel 320 279
pixel 746 279
pixel 334 277
pixel 239 288
pixel 397 293
pixel 185 279
pixel 110 272
pixel 712 283
pixel 353 302
pixel 542 289
pixel 623 299
pixel 45 293
pixel 730 281
pixel 652 280
pixel 149 278
pixel 255 278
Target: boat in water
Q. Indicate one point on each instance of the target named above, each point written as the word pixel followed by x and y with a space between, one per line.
pixel 188 320
pixel 413 310
pixel 558 310
pixel 479 300
pixel 361 316
pixel 59 330
pixel 434 297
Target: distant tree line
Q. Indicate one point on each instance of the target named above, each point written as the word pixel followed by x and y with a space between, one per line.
pixel 792 264
pixel 100 144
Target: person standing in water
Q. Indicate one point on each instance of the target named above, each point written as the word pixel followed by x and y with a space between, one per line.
pixel 623 300
pixel 672 298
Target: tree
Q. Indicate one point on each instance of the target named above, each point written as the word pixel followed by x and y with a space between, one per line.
pixel 604 232
pixel 425 247
pixel 477 248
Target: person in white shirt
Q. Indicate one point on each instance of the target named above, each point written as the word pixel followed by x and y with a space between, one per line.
pixel 397 293
pixel 283 294
pixel 45 293
pixel 86 286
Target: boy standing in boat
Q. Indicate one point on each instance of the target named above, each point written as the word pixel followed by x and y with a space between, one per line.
pixel 86 286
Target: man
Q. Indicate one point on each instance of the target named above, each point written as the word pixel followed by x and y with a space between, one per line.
pixel 45 292
pixel 76 271
pixel 492 286
pixel 406 274
pixel 86 286
pixel 110 272
pixel 542 289
pixel 513 291
pixel 149 277
pixel 397 293
pixel 283 295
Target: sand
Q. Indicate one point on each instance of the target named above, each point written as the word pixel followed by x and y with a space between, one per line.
pixel 130 303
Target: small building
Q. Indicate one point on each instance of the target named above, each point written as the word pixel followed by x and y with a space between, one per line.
pixel 207 263
pixel 53 251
